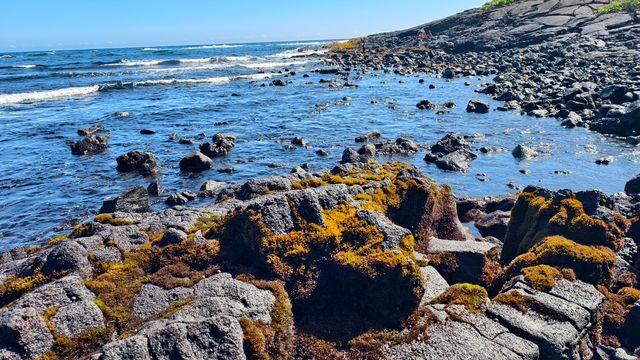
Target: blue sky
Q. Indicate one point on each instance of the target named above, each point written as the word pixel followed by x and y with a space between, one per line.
pixel 74 24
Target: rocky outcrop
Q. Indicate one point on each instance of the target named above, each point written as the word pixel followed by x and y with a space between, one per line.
pixel 357 263
pixel 145 163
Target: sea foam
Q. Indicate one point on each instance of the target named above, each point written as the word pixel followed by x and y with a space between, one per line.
pixel 7 99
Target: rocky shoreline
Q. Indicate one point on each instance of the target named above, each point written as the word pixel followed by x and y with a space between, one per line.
pixel 352 263
pixel 551 58
pixel 371 259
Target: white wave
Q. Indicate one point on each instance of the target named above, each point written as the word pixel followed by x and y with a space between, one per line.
pixel 25 66
pixel 6 99
pixel 223 46
pixel 136 63
pixel 298 53
pixel 153 49
pixel 265 65
pixel 194 61
pixel 304 43
pixel 210 80
pixel 5 56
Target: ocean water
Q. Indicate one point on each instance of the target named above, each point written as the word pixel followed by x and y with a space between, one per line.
pixel 197 91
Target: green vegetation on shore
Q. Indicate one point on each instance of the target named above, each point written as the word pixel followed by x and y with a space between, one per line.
pixel 496 3
pixel 630 6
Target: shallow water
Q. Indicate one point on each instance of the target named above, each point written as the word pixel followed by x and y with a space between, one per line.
pixel 43 186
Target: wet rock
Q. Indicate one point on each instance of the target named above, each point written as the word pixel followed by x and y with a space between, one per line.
pixel 426 105
pixel 155 188
pixel 298 141
pixel 604 160
pixel 145 163
pixel 121 114
pixel 278 82
pixel 147 132
pixel 322 152
pixel 494 224
pixel 181 198
pixel 450 143
pixel 448 74
pixel 402 146
pixel 632 187
pixel 523 152
pixel 90 145
pixel 478 107
pixel 459 160
pixel 221 146
pixel 196 162
pixel 91 130
pixel 134 200
pixel 370 136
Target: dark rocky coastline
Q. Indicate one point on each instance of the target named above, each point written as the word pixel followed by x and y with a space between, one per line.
pixel 372 259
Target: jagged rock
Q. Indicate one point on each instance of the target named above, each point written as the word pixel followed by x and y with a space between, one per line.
pixel 632 187
pixel 402 146
pixel 434 284
pixel 90 145
pixel 558 322
pixel 370 136
pixel 256 187
pixel 91 130
pixel 468 259
pixel 25 332
pixel 393 234
pixel 494 224
pixel 155 188
pixel 450 143
pixel 196 162
pixel 478 107
pixel 523 152
pixel 134 200
pixel 173 236
pixel 459 160
pixel 458 334
pixel 144 163
pixel 67 256
pixel 221 146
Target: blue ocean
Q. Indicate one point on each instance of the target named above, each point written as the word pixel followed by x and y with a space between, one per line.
pixel 200 90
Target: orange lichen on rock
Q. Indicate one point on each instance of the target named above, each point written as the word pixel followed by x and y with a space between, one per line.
pixel 593 264
pixel 534 218
pixel 473 297
pixel 541 277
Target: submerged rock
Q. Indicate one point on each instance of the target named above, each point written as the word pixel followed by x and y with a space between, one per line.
pixel 134 200
pixel 144 163
pixel 196 162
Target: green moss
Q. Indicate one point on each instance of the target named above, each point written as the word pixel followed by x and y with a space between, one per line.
pixel 473 297
pixel 308 183
pixel 72 348
pixel 593 264
pixel 81 230
pixel 630 6
pixel 541 277
pixel 14 286
pixel 497 3
pixel 534 218
pixel 347 45
pixel 176 306
pixel 110 219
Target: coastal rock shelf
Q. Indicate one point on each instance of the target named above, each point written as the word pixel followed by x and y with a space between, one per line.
pixel 369 260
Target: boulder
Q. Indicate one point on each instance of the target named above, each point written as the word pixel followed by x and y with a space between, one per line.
pixel 450 143
pixel 67 256
pixel 632 187
pixel 523 152
pixel 458 261
pixel 494 224
pixel 145 163
pixel 91 130
pixel 426 105
pixel 134 200
pixel 90 145
pixel 221 146
pixel 393 233
pixel 478 107
pixel 459 160
pixel 25 332
pixel 196 162
pixel 370 136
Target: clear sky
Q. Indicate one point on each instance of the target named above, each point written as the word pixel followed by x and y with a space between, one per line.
pixel 75 24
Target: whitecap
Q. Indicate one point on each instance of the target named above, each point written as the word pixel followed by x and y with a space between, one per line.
pixel 223 46
pixel 6 56
pixel 25 66
pixel 7 99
